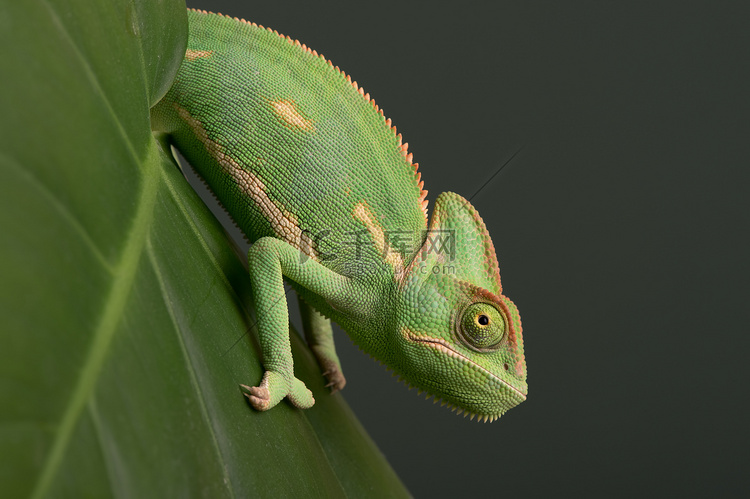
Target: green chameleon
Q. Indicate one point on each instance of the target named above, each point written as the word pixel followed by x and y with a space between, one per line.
pixel 320 181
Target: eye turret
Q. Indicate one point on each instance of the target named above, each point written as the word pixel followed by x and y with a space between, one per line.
pixel 481 326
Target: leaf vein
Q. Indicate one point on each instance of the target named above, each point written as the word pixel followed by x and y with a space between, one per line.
pixel 104 332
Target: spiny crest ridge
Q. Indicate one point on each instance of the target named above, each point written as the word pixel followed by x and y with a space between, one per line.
pixel 402 146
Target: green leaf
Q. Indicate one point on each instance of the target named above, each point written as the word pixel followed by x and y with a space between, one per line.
pixel 125 311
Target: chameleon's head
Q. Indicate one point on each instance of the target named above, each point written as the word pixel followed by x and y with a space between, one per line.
pixel 460 338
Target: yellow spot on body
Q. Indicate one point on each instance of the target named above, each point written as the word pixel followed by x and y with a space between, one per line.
pixel 192 55
pixel 392 257
pixel 284 224
pixel 287 111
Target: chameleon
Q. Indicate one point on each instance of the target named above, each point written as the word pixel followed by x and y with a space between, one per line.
pixel 324 187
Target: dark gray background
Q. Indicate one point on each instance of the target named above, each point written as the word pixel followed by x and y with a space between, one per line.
pixel 621 228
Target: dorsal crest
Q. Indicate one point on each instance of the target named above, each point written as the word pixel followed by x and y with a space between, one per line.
pixel 401 147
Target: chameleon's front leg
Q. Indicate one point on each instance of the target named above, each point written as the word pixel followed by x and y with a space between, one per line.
pixel 269 259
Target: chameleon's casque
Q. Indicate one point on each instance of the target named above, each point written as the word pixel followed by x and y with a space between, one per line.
pixel 314 174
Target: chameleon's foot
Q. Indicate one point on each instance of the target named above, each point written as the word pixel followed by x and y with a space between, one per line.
pixel 335 378
pixel 275 387
pixel 331 367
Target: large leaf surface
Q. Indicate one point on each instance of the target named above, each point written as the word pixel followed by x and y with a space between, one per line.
pixel 124 310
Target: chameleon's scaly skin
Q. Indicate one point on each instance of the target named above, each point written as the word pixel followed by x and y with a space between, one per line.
pixel 319 180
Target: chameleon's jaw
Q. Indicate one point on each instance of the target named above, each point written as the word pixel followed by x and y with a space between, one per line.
pixel 516 396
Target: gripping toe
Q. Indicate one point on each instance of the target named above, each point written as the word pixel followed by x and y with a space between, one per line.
pixel 300 396
pixel 258 396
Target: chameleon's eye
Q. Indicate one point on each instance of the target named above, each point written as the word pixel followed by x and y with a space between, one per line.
pixel 482 326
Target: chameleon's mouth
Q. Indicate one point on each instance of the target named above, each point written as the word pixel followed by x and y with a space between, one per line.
pixel 444 347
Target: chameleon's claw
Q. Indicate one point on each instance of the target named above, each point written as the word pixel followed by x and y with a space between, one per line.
pixel 258 396
pixel 335 378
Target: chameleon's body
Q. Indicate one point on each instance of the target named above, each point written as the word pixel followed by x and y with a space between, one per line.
pixel 319 180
